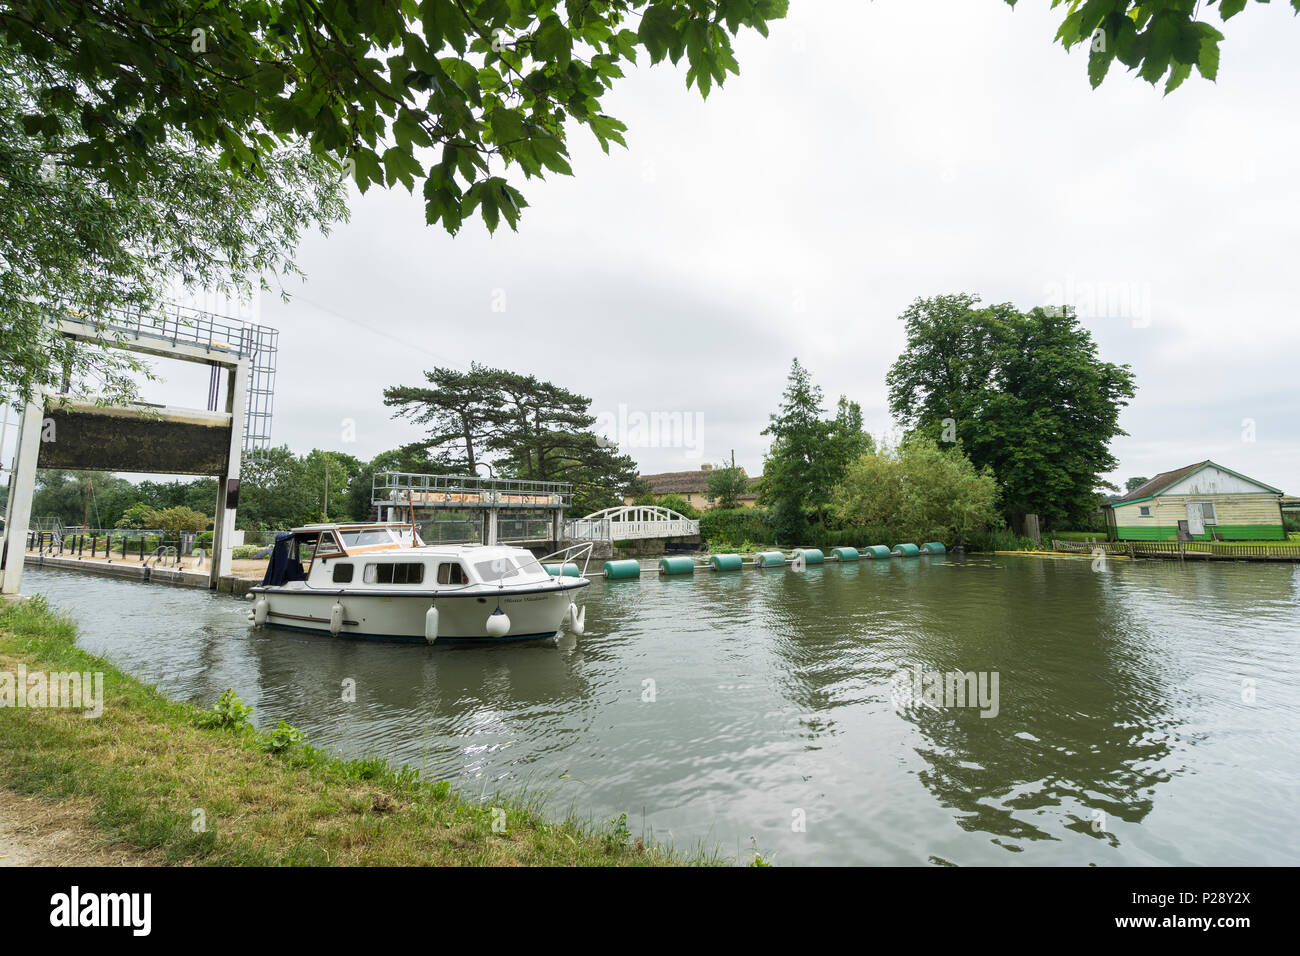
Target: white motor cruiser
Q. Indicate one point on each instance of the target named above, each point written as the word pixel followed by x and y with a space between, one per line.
pixel 380 581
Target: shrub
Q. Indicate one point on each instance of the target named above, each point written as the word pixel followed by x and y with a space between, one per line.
pixel 228 713
pixel 734 526
pixel 1000 540
pixel 280 739
pixel 679 504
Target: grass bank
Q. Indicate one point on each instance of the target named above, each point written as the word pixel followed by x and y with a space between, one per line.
pixel 188 786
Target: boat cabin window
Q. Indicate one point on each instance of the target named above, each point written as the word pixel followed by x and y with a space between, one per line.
pixel 496 569
pixel 342 573
pixel 452 572
pixel 327 546
pixel 395 572
pixel 366 537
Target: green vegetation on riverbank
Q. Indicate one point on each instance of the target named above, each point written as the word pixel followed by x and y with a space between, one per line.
pixel 158 779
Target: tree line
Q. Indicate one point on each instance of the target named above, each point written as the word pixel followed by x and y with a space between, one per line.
pixel 1004 413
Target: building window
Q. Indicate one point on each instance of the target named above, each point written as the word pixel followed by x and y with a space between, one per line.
pixel 1145 511
pixel 1207 513
pixel 342 573
pixel 398 572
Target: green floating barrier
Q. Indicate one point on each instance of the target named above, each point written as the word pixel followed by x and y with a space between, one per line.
pixel 726 562
pixel 906 550
pixel 568 570
pixel 810 555
pixel 934 547
pixel 679 564
pixel 622 569
pixel 878 551
pixel 769 559
pixel 846 554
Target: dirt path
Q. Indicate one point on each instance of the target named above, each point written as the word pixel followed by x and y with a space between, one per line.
pixel 37 832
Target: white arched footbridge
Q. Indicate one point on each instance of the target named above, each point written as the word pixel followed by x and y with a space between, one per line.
pixel 629 523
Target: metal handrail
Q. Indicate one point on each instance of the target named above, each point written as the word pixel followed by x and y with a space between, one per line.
pixel 162 551
pixel 176 323
pixel 401 488
pixel 587 546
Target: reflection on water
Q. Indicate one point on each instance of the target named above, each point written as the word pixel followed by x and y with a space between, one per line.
pixel 757 706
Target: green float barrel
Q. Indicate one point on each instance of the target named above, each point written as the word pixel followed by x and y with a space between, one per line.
pixel 846 554
pixel 906 550
pixel 628 568
pixel 769 559
pixel 810 555
pixel 568 570
pixel 878 551
pixel 726 562
pixel 934 547
pixel 679 564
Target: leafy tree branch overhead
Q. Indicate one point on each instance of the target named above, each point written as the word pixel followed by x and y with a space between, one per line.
pixel 442 94
pixel 1160 39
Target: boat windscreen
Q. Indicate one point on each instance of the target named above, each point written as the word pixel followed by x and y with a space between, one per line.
pixel 529 565
pixel 496 569
pixel 366 537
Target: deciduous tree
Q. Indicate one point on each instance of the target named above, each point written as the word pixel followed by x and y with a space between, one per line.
pixel 81 237
pixel 1024 393
pixel 918 491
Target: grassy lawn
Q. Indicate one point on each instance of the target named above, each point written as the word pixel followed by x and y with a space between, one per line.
pixel 142 772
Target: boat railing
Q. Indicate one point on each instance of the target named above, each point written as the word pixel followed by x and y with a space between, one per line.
pixel 571 553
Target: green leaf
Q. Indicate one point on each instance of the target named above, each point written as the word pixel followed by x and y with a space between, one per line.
pixel 1230 8
pixel 1208 62
pixel 1099 59
pixel 1180 72
pixel 553 42
pixel 657 32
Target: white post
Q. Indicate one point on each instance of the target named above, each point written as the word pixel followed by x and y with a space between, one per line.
pixel 491 527
pixel 22 485
pixel 223 525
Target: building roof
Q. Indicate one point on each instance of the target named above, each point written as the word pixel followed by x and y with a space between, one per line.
pixel 684 482
pixel 1166 479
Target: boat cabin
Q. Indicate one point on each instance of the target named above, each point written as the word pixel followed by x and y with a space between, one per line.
pixel 296 552
pixel 322 556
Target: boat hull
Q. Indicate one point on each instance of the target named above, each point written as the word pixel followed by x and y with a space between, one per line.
pixel 534 615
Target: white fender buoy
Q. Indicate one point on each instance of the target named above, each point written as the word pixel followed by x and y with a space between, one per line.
pixel 336 619
pixel 261 608
pixel 498 623
pixel 431 624
pixel 577 618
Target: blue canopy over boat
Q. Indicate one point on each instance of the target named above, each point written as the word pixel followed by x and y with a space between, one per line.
pixel 284 565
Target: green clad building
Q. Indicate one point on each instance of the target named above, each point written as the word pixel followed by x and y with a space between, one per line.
pixel 1201 502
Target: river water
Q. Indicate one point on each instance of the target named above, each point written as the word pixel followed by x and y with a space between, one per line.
pixel 1146 712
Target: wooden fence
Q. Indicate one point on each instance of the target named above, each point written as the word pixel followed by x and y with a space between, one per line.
pixel 1183 550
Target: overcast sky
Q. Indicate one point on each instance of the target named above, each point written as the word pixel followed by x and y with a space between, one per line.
pixel 868 154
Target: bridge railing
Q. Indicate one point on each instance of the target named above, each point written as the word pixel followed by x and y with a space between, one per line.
pixel 614 530
pixel 396 488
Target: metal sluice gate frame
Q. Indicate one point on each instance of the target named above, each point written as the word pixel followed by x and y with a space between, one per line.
pixel 177 324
